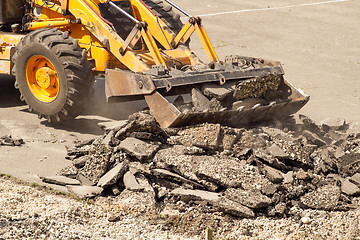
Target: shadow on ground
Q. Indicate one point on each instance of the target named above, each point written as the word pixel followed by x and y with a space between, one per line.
pixel 78 125
pixel 9 95
pixel 97 109
pixel 98 105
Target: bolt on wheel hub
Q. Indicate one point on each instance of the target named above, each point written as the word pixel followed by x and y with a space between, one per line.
pixel 44 77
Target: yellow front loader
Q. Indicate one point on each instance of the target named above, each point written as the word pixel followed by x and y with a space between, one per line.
pixel 54 48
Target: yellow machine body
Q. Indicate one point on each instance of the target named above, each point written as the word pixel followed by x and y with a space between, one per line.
pixel 138 63
pixel 102 42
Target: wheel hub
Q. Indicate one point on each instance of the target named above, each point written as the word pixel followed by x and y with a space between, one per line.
pixel 44 77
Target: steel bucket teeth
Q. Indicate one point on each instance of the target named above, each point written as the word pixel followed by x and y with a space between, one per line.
pixel 169 116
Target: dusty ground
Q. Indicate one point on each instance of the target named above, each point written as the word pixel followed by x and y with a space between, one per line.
pixel 317 44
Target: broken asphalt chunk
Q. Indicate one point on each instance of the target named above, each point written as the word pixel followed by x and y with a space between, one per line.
pixel 85 191
pixel 251 199
pixel 163 173
pixel 355 179
pixel 113 175
pixel 131 183
pixel 349 188
pixel 113 125
pixel 313 138
pixel 207 136
pixel 188 194
pixel 217 91
pixel 324 198
pixel 228 206
pixel 138 149
pixel 277 152
pixel 60 180
pixel 200 102
pixel 272 174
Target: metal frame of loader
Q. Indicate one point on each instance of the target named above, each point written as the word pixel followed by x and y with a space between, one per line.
pixel 167 114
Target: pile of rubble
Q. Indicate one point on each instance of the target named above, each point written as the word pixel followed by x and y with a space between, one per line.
pixel 271 170
pixel 262 90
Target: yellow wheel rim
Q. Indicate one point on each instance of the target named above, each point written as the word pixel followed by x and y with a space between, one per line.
pixel 42 78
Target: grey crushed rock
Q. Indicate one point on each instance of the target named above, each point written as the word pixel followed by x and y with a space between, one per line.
pixel 69 171
pixel 324 198
pixel 145 198
pixel 130 198
pixel 30 213
pixel 229 141
pixel 97 165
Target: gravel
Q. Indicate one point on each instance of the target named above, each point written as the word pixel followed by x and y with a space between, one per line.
pixel 31 213
pixel 28 212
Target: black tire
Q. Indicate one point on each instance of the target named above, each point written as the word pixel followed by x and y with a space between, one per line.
pixel 73 72
pixel 166 13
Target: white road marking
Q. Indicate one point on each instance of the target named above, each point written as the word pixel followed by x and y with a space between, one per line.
pixel 272 8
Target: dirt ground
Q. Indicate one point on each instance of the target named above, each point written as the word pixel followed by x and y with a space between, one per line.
pixel 317 43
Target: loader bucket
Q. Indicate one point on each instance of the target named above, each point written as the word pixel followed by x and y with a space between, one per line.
pixel 154 89
pixel 169 116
